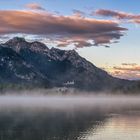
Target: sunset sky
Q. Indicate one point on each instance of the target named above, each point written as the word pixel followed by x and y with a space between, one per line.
pixel 105 32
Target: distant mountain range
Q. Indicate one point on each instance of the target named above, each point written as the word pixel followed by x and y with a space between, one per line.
pixel 34 64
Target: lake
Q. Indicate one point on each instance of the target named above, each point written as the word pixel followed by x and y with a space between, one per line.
pixel 69 118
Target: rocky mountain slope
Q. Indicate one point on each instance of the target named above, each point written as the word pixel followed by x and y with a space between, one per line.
pixel 22 62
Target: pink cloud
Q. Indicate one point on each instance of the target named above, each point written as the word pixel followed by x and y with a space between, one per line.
pixel 34 6
pixel 125 71
pixel 57 27
pixel 116 14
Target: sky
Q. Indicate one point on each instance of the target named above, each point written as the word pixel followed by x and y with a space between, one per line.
pixel 105 32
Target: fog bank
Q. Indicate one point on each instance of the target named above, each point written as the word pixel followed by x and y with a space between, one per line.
pixel 68 102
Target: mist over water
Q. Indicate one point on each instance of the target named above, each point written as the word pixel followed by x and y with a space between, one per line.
pixel 33 116
pixel 67 102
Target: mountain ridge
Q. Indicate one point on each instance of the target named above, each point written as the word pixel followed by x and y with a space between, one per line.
pixel 55 68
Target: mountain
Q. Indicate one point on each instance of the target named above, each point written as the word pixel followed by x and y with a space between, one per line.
pixel 15 70
pixel 33 63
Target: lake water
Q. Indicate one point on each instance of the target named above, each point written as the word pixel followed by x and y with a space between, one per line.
pixel 69 118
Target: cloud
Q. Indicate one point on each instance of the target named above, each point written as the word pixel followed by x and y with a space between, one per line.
pixel 34 6
pixel 122 16
pixel 70 29
pixel 81 44
pixel 137 21
pixel 78 13
pixel 127 75
pixel 131 69
pixel 125 71
pixel 116 14
pixel 129 64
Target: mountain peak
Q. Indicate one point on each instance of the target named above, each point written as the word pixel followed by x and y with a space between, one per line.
pixel 16 40
pixel 38 46
pixel 61 55
pixel 18 43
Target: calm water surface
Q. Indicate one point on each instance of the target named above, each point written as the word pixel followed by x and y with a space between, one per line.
pixel 97 122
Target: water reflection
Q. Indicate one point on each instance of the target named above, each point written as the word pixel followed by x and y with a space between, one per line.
pixel 43 125
pixel 118 127
pixel 97 122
